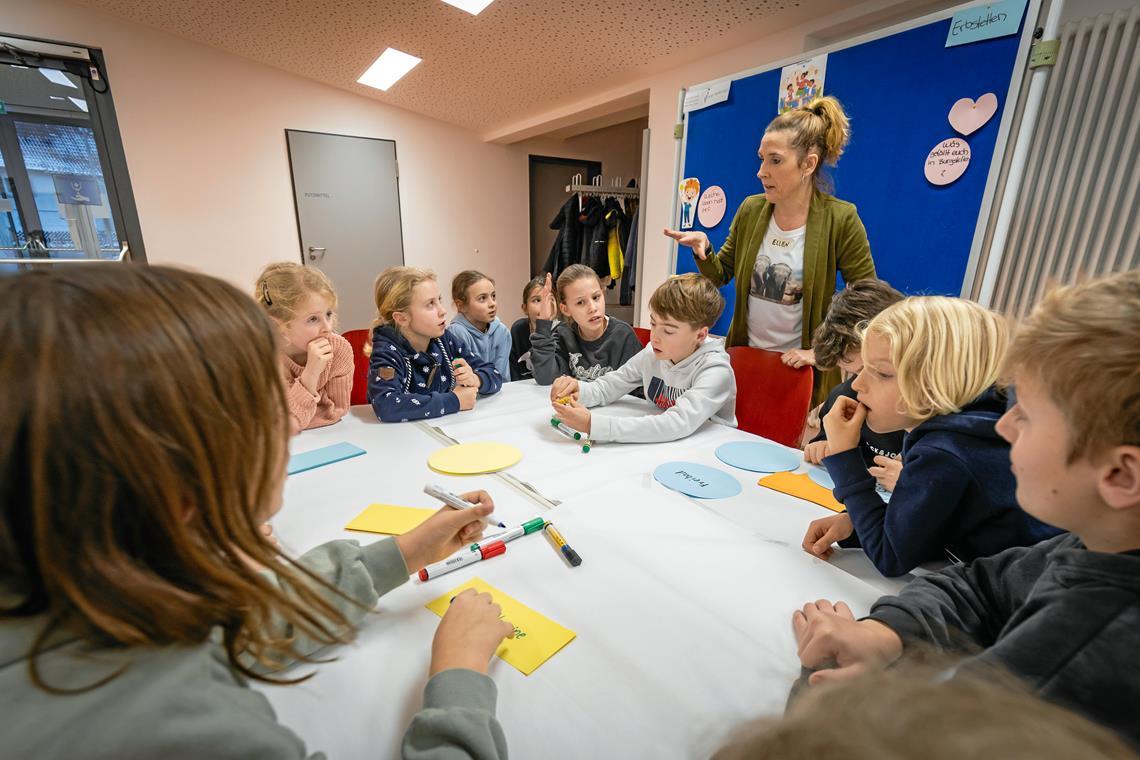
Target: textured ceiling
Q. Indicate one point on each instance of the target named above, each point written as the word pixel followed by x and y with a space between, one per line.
pixel 515 58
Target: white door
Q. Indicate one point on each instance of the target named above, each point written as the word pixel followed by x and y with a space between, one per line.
pixel 348 214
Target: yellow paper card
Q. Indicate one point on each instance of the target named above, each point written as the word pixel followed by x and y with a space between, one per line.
pixel 389 519
pixel 802 487
pixel 537 638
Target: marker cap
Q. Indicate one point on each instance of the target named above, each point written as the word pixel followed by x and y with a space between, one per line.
pixel 530 526
pixel 423 574
pixel 493 549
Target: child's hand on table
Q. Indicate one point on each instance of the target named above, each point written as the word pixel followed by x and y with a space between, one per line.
pixel 469 633
pixel 466 396
pixel 573 415
pixel 562 387
pixel 464 375
pixel 824 532
pixel 814 453
pixel 886 471
pixel 828 635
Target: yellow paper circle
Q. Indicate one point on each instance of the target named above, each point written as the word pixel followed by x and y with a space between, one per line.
pixel 474 458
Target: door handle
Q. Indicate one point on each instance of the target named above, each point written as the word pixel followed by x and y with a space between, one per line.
pixel 316 253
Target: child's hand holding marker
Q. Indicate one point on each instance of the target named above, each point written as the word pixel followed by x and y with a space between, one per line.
pixel 573 415
pixel 564 389
pixel 844 424
pixel 464 375
pixel 469 633
pixel 445 532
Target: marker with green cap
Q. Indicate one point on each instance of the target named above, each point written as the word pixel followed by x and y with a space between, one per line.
pixel 510 534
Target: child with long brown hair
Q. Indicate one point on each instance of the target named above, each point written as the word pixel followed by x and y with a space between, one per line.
pixel 316 362
pixel 476 325
pixel 418 370
pixel 143 441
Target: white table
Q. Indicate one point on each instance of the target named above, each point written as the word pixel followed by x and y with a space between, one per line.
pixel 682 608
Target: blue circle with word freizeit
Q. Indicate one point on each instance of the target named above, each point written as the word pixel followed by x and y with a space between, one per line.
pixel 821 476
pixel 758 456
pixel 697 480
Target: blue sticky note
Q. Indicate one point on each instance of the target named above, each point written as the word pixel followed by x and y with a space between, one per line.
pixel 697 480
pixel 758 456
pixel 308 460
pixel 822 477
pixel 984 22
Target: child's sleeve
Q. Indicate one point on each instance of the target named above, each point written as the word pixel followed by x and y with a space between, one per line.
pixel 965 606
pixel 613 385
pixel 547 353
pixel 458 720
pixel 502 357
pixel 302 404
pixel 490 381
pixel 387 375
pixel 711 390
pixel 914 529
pixel 336 396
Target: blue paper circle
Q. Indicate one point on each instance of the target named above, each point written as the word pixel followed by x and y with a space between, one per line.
pixel 698 480
pixel 758 456
pixel 821 476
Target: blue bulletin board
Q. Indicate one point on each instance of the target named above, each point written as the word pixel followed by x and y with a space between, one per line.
pixel 898 88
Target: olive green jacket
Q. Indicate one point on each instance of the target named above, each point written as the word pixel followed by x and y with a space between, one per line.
pixel 835 241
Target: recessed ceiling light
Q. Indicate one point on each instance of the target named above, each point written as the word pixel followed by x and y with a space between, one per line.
pixel 80 103
pixel 386 70
pixel 57 77
pixel 474 7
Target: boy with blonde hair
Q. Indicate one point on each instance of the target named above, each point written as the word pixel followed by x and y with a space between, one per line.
pixel 1062 615
pixel 683 371
pixel 929 367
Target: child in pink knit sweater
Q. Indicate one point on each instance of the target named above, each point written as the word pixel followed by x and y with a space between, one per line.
pixel 315 361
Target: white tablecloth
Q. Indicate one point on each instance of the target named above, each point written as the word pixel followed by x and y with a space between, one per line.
pixel 681 607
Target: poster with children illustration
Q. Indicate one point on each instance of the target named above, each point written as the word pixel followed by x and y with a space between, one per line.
pixel 801 81
pixel 689 190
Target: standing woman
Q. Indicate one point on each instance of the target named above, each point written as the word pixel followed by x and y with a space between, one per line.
pixel 785 246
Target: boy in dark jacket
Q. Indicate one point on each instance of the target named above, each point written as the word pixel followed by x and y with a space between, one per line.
pixel 1062 615
pixel 929 364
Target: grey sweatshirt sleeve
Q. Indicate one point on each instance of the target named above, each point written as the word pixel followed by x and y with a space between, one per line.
pixel 613 385
pixel 546 353
pixel 712 387
pixel 965 606
pixel 458 720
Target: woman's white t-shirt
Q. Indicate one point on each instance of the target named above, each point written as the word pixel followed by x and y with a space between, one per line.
pixel 775 297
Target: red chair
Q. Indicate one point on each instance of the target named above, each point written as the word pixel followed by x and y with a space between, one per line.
pixel 642 335
pixel 357 339
pixel 772 399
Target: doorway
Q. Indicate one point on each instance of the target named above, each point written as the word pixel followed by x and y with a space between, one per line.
pixel 549 177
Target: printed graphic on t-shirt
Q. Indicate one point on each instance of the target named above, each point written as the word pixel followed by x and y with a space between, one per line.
pixel 776 281
pixel 583 372
pixel 665 396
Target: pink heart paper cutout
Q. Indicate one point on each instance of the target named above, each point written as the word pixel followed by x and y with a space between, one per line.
pixel 967 116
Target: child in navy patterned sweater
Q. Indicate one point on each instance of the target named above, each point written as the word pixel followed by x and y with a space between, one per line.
pixel 418 370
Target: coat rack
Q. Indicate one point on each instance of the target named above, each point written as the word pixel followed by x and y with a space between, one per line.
pixel 614 188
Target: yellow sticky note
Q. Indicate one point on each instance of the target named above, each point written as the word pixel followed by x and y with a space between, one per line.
pixel 474 458
pixel 802 487
pixel 537 638
pixel 389 519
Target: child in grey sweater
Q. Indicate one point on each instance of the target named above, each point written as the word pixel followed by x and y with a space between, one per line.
pixel 138 596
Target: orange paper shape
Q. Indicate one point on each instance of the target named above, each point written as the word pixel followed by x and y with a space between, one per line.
pixel 802 487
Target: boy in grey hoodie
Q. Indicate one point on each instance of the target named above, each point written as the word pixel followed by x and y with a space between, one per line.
pixel 683 371
pixel 1062 615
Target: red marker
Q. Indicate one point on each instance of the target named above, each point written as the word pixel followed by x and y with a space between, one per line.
pixel 463 557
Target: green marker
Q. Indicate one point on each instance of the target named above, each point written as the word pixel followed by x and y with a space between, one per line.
pixel 510 534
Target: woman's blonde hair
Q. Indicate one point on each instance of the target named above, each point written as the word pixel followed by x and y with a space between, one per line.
pixel 143 440
pixel 393 292
pixel 282 285
pixel 946 351
pixel 819 126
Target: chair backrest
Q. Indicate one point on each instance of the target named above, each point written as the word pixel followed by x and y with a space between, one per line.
pixel 642 335
pixel 772 399
pixel 357 339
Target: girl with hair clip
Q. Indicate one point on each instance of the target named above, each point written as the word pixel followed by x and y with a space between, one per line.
pixel 418 370
pixel 785 246
pixel 317 363
pixel 144 441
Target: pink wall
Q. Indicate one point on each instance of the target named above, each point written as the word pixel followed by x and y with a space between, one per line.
pixel 203 132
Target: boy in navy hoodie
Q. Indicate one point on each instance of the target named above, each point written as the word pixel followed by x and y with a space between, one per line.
pixel 1062 615
pixel 929 367
pixel 417 370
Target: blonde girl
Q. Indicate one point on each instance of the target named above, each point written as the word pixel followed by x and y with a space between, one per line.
pixel 316 362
